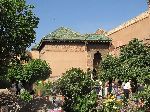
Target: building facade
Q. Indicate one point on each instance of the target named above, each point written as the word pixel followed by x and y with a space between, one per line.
pixel 64 49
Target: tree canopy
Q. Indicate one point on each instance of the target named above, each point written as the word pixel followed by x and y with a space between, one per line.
pixel 74 85
pixel 31 72
pixel 133 62
pixel 17 27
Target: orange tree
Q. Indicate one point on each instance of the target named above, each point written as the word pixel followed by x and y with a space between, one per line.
pixel 132 63
pixel 31 72
pixel 75 85
pixel 17 27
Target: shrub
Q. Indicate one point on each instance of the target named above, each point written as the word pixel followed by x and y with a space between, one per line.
pixel 25 96
pixel 74 85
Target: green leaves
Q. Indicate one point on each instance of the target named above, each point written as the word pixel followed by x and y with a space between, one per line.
pixel 25 96
pixel 133 62
pixel 31 72
pixel 36 70
pixel 134 49
pixel 17 27
pixel 109 68
pixel 15 72
pixel 74 84
pixel 86 103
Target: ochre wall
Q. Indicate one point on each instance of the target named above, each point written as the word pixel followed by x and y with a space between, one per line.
pixel 140 30
pixel 92 48
pixel 62 57
pixel 35 54
pixel 138 27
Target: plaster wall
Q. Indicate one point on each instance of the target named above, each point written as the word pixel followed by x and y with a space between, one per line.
pixel 62 57
pixel 35 54
pixel 103 49
pixel 140 30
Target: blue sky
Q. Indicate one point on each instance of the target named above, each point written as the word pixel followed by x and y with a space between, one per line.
pixel 84 16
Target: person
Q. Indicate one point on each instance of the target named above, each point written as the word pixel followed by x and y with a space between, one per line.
pixel 13 86
pixel 20 86
pixel 122 86
pixel 114 88
pixel 106 88
pixel 119 83
pixel 101 88
pixel 119 92
pixel 110 86
pixel 17 89
pixel 98 87
pixel 127 89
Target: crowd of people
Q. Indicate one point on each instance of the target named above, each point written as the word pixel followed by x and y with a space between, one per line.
pixel 117 88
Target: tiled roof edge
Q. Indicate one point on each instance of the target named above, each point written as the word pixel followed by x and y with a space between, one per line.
pixel 130 22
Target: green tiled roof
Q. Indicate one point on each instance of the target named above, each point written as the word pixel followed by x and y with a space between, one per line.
pixel 97 37
pixel 66 34
pixel 63 33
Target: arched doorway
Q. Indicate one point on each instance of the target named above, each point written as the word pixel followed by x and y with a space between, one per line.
pixel 97 59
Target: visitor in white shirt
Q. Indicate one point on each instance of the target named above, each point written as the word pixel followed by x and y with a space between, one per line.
pixel 127 89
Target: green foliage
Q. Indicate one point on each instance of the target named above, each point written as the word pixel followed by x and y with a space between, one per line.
pixel 36 70
pixel 31 72
pixel 74 84
pixel 86 103
pixel 135 58
pixel 135 49
pixel 109 68
pixel 18 24
pixel 133 62
pixel 25 96
pixel 45 88
pixel 15 72
pixel 144 95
